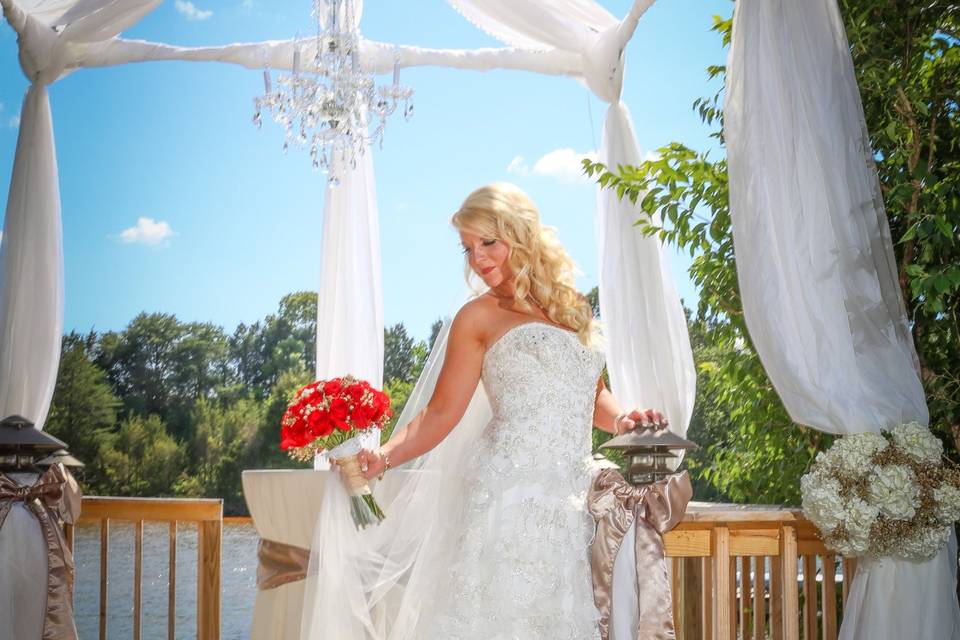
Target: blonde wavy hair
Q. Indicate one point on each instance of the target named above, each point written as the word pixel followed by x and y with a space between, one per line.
pixel 541 267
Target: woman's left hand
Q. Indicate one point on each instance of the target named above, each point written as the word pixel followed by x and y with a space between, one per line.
pixel 648 418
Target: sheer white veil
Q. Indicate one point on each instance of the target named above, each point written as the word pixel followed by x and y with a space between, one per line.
pixel 374 584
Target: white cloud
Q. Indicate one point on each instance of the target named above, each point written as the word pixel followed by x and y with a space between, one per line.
pixel 651 155
pixel 247 4
pixel 518 166
pixel 564 164
pixel 14 122
pixel 187 8
pixel 147 231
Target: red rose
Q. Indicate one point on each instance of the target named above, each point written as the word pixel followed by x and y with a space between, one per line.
pixel 320 424
pixel 355 391
pixel 360 420
pixel 285 441
pixel 332 387
pixel 339 410
pixel 371 411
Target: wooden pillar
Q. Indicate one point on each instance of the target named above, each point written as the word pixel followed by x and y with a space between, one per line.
pixel 791 604
pixel 208 579
pixel 725 602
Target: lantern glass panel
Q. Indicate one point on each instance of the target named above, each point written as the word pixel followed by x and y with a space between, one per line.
pixel 641 459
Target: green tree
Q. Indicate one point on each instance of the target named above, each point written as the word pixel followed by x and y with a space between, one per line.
pixel 906 60
pixel 398 355
pixel 141 459
pixel 83 410
pixel 262 352
pixel 223 445
pixel 159 365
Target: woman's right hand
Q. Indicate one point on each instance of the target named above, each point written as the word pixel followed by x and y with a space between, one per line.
pixel 372 463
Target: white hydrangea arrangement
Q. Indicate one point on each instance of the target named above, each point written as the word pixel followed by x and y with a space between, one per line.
pixel 883 494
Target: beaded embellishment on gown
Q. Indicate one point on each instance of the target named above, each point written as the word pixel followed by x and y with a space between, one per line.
pixel 522 570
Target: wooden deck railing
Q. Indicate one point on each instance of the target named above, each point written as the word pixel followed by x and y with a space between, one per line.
pixel 208 516
pixel 735 575
pixel 736 569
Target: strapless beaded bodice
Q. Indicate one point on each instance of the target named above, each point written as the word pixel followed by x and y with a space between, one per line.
pixel 541 383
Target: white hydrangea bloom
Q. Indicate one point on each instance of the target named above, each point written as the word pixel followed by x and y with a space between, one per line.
pixel 822 503
pixel 924 544
pixel 893 488
pixel 859 517
pixel 917 441
pixel 948 501
pixel 851 454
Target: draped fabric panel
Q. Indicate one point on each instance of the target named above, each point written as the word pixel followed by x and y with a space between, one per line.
pixel 814 255
pixel 31 269
pixel 816 271
pixel 350 300
pixel 538 24
pixel 650 360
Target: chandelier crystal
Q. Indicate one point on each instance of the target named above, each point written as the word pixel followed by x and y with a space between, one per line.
pixel 326 106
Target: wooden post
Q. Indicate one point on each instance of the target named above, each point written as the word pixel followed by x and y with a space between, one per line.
pixel 746 604
pixel 810 598
pixel 104 554
pixel 776 597
pixel 791 612
pixel 723 604
pixel 706 594
pixel 691 606
pixel 172 583
pixel 759 598
pixel 208 580
pixel 676 578
pixel 829 598
pixel 137 576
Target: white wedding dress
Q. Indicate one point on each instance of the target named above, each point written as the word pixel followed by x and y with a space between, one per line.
pixel 487 536
pixel 522 570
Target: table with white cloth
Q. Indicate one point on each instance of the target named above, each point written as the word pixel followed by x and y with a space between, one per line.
pixel 284 504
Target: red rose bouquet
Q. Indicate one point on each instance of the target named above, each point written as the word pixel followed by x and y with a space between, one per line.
pixel 329 415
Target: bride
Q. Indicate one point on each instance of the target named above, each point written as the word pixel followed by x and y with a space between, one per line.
pixel 487 537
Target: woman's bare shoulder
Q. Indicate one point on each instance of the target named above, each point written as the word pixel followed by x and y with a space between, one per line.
pixel 474 318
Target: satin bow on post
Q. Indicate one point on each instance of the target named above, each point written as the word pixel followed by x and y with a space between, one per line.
pixel 53 498
pixel 654 509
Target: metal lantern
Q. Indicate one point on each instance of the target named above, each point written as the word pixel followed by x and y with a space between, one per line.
pixel 22 444
pixel 647 452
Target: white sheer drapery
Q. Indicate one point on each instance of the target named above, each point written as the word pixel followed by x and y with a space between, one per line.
pixel 350 300
pixel 816 270
pixel 31 269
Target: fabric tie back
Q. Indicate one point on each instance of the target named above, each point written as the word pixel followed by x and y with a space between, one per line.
pixel 280 564
pixel 53 498
pixel 654 509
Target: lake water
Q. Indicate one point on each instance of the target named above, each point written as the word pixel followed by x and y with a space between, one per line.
pixel 238 581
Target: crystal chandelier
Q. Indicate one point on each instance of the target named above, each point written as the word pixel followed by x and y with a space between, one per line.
pixel 327 106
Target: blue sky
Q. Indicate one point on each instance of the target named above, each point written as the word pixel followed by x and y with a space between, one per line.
pixel 173 143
